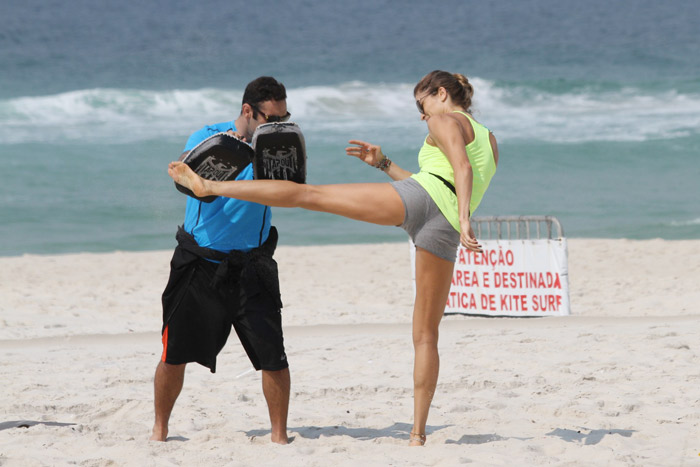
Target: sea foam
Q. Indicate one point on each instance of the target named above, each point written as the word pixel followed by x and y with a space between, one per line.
pixel 513 112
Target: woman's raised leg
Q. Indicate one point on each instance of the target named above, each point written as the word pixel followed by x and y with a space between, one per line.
pixel 433 280
pixel 377 203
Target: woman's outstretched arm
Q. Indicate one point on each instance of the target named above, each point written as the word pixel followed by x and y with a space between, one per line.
pixel 372 154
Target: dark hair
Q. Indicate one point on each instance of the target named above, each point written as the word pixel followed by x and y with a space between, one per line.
pixel 264 88
pixel 456 85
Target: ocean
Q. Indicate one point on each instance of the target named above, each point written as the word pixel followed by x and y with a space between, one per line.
pixel 596 106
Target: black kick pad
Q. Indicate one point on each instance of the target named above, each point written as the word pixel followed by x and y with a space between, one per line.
pixel 280 152
pixel 220 157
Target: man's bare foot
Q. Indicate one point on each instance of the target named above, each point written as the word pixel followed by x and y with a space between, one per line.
pixel 279 439
pixel 158 435
pixel 183 175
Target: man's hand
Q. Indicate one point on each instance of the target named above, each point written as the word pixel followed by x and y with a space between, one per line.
pixel 237 135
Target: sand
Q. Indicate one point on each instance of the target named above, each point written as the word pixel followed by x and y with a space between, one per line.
pixel 615 383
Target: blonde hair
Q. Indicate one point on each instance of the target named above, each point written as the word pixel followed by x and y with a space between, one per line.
pixel 456 85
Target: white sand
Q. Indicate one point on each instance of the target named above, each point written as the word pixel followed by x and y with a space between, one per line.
pixel 616 383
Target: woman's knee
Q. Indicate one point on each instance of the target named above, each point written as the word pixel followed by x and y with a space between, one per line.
pixel 425 338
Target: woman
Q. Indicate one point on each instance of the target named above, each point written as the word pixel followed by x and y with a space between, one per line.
pixel 457 161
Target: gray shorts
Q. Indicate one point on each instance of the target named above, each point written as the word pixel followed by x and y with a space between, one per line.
pixel 424 222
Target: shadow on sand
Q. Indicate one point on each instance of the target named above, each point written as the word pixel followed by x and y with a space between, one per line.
pixel 397 431
pixel 586 436
pixel 29 423
pixel 482 439
pixel 401 431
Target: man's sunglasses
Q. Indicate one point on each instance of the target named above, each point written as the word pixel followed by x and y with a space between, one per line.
pixel 271 118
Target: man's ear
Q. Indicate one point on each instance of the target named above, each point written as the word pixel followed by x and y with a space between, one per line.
pixel 247 110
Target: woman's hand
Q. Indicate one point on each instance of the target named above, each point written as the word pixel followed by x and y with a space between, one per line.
pixel 467 237
pixel 368 153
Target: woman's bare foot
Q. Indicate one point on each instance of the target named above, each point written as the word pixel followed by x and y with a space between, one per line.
pixel 183 175
pixel 416 439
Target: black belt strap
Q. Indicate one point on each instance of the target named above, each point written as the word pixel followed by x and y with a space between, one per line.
pixel 447 184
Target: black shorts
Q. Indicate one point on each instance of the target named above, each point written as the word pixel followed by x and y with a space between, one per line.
pixel 197 317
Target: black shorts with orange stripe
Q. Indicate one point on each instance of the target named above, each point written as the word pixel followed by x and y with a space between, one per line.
pixel 197 317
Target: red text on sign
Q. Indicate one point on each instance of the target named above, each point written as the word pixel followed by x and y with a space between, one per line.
pixel 487 258
pixel 546 302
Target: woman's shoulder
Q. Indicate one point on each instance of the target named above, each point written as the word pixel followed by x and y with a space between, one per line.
pixel 454 122
pixel 444 122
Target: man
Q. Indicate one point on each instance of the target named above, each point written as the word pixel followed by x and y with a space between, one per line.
pixel 222 274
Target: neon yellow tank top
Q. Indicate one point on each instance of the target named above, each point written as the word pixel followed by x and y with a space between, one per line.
pixel 432 161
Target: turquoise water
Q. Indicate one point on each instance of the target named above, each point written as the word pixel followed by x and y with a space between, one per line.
pixel 596 108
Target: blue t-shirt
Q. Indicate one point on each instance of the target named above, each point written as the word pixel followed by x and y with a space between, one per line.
pixel 226 224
